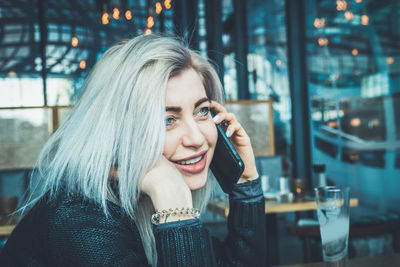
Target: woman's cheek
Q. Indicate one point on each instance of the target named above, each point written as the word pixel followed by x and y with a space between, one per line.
pixel 212 134
pixel 170 145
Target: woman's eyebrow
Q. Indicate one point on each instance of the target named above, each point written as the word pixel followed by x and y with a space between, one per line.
pixel 173 109
pixel 201 101
pixel 179 109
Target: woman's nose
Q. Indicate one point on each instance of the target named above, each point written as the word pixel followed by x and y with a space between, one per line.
pixel 193 136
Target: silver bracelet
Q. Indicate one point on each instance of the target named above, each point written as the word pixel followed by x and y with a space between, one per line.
pixel 155 218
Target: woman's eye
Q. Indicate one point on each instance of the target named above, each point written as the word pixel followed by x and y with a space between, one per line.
pixel 169 121
pixel 204 111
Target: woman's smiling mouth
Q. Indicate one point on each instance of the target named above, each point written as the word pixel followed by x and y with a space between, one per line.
pixel 194 164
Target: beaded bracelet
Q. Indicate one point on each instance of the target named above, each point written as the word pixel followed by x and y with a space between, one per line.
pixel 155 218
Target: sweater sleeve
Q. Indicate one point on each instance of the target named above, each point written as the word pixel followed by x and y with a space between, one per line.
pixel 80 237
pixel 184 243
pixel 245 244
pixel 187 243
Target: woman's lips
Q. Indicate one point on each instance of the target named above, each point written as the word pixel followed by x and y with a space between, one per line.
pixel 195 167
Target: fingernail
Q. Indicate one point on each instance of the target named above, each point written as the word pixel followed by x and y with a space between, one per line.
pixel 227 133
pixel 216 118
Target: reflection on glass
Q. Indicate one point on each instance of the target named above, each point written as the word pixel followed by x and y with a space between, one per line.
pixel 367 158
pixel 267 64
pixel 364 118
pixel 353 70
pixel 326 147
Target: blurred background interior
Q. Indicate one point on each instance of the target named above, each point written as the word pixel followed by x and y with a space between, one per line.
pixel 316 82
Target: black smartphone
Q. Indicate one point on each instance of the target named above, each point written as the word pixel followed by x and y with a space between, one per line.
pixel 226 165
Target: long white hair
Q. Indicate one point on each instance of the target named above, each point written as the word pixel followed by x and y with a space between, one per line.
pixel 120 121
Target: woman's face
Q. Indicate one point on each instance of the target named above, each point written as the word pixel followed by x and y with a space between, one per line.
pixel 191 134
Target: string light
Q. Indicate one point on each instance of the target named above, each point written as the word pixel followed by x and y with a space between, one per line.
pixel 354 52
pixel 128 14
pixel 167 4
pixel 319 23
pixel 158 7
pixel 323 41
pixel 105 17
pixel 11 73
pixel 150 22
pixel 348 15
pixel 359 1
pixel 278 62
pixel 341 5
pixel 115 13
pixel 364 20
pixel 390 60
pixel 147 31
pixel 82 64
pixel 355 122
pixel 74 41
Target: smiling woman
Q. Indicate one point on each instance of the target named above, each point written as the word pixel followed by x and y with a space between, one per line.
pixel 136 150
pixel 190 131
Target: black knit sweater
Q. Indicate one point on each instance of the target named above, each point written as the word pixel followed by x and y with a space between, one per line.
pixel 70 231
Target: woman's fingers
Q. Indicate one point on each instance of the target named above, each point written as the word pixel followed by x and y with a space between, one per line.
pixel 225 116
pixel 240 140
pixel 233 128
pixel 227 120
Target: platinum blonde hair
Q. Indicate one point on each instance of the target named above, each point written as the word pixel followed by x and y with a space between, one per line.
pixel 110 126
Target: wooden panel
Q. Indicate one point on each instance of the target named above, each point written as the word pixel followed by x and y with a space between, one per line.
pixel 24 131
pixel 256 117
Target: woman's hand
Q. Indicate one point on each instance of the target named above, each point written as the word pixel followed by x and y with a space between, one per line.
pixel 165 186
pixel 239 138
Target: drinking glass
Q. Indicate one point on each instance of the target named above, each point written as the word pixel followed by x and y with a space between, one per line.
pixel 333 215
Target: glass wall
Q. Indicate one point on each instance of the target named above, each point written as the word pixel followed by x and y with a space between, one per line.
pixel 46 51
pixel 354 73
pixel 267 65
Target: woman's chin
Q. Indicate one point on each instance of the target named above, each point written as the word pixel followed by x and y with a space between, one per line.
pixel 195 182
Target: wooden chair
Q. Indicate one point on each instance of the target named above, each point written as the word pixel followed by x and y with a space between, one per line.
pixel 367 227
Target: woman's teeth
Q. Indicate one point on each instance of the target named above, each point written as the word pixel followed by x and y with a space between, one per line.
pixel 190 161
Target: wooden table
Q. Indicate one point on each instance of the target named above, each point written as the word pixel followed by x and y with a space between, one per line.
pixel 389 260
pixel 271 209
pixel 6 230
pixel 222 207
pixel 7 225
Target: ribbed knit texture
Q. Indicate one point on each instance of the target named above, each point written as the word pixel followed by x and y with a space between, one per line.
pixel 71 231
pixel 184 246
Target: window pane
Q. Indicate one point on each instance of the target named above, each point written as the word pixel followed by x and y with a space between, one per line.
pixel 354 70
pixel 16 92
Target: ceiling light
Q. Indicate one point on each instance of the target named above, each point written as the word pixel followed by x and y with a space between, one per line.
pixel 364 20
pixel 74 41
pixel 158 7
pixel 167 4
pixel 82 64
pixel 116 13
pixel 128 14
pixel 150 22
pixel 348 15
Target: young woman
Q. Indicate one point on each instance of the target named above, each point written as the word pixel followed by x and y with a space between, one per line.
pixel 139 141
